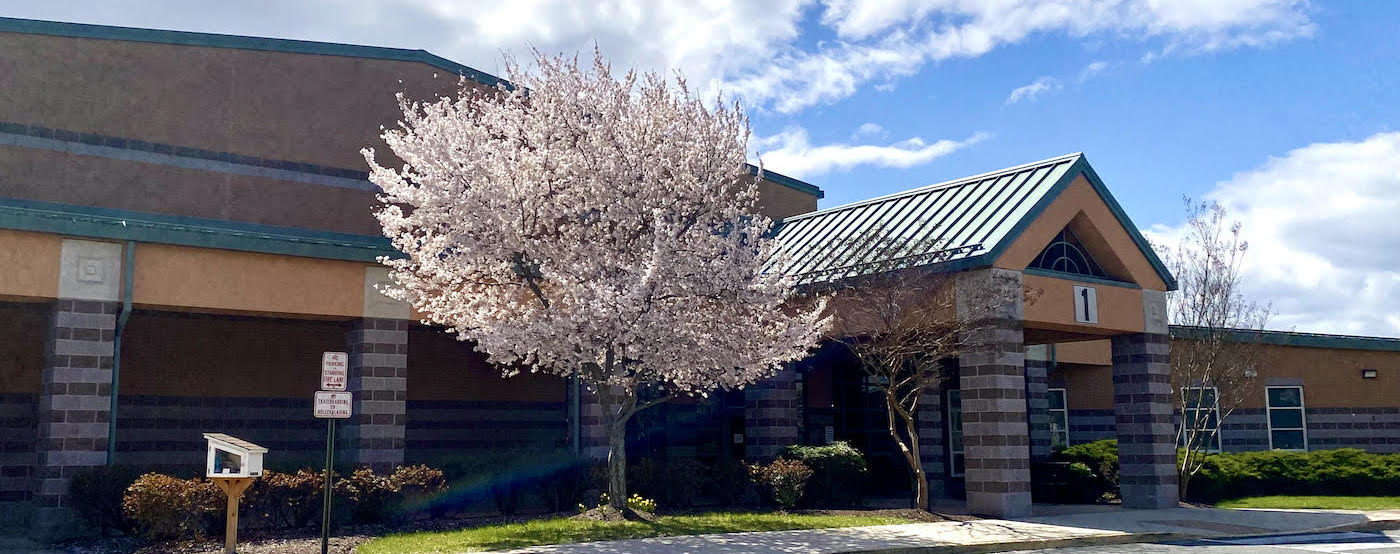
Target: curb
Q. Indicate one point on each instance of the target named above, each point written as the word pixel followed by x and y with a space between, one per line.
pixel 1130 538
pixel 1109 540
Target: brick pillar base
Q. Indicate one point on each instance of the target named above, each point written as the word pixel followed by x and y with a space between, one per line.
pixel 931 433
pixel 74 409
pixel 996 441
pixel 1038 402
pixel 771 414
pixel 374 435
pixel 1142 410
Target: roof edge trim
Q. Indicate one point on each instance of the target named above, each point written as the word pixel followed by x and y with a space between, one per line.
pixel 1294 338
pixel 105 223
pixel 790 182
pixel 242 42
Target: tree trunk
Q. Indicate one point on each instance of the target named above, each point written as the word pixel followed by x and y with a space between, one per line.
pixel 617 464
pixel 909 448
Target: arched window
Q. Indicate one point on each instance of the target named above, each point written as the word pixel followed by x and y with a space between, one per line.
pixel 1067 255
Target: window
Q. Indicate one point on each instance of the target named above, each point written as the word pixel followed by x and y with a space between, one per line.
pixel 1059 418
pixel 955 439
pixel 1202 416
pixel 1066 254
pixel 1288 428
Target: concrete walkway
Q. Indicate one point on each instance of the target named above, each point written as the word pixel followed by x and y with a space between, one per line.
pixel 1052 527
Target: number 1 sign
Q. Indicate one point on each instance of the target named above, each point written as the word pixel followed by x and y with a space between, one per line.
pixel 1086 304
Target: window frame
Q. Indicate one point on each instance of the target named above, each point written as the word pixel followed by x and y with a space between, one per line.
pixel 1217 441
pixel 1064 407
pixel 1302 416
pixel 955 449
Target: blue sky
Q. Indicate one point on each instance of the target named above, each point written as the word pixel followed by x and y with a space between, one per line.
pixel 1285 111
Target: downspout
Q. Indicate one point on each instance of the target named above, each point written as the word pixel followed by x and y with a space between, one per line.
pixel 128 273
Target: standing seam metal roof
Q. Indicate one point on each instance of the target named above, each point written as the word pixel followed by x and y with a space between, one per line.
pixel 965 222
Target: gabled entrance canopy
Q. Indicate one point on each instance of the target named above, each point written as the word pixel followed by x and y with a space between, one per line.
pixel 1004 219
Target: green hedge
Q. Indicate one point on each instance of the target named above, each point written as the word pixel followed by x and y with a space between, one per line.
pixel 1345 471
pixel 839 472
pixel 1079 474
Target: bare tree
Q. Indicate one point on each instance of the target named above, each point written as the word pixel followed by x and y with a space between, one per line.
pixel 1214 347
pixel 899 316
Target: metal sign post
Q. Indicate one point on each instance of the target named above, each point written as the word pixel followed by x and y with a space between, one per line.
pixel 330 405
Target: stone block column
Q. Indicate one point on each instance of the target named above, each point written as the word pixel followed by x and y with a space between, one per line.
pixel 771 416
pixel 374 435
pixel 75 403
pixel 996 439
pixel 1037 400
pixel 931 433
pixel 74 408
pixel 1142 409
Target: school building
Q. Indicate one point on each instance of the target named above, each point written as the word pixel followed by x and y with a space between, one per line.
pixel 185 227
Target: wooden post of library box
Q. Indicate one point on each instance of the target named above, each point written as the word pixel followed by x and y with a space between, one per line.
pixel 233 465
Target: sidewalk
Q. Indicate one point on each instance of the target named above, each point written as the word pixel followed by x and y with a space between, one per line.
pixel 1052 526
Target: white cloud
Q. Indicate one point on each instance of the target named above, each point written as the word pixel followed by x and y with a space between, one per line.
pixel 749 48
pixel 791 152
pixel 1029 92
pixel 881 40
pixel 869 130
pixel 1089 71
pixel 1324 236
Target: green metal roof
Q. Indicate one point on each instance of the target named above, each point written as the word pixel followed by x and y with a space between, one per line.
pixel 1293 338
pixel 215 40
pixel 103 223
pixel 958 224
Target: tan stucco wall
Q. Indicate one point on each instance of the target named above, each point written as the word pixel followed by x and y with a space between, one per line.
pixel 1087 386
pixel 246 282
pixel 300 107
pixel 1080 197
pixel 1120 308
pixel 779 201
pixel 67 178
pixel 30 264
pixel 1331 377
pixel 442 368
pixel 166 354
pixel 1094 352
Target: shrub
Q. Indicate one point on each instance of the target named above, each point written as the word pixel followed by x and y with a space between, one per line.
pixel 838 472
pixel 285 500
pixel 676 482
pixel 566 478
pixel 784 480
pixel 96 493
pixel 365 495
pixel 162 507
pixel 419 488
pixel 1345 471
pixel 1101 458
pixel 729 482
pixel 1065 483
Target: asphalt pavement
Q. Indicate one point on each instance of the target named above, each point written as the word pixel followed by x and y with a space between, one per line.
pixel 1387 542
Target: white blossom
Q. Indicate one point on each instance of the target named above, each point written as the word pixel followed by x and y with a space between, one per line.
pixel 594 223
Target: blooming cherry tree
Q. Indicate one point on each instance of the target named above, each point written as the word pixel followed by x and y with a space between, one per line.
pixel 581 222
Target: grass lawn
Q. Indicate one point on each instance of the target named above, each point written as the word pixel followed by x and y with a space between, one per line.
pixel 1315 502
pixel 566 530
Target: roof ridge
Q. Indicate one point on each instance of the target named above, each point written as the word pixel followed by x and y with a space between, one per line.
pixel 243 42
pixel 935 186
